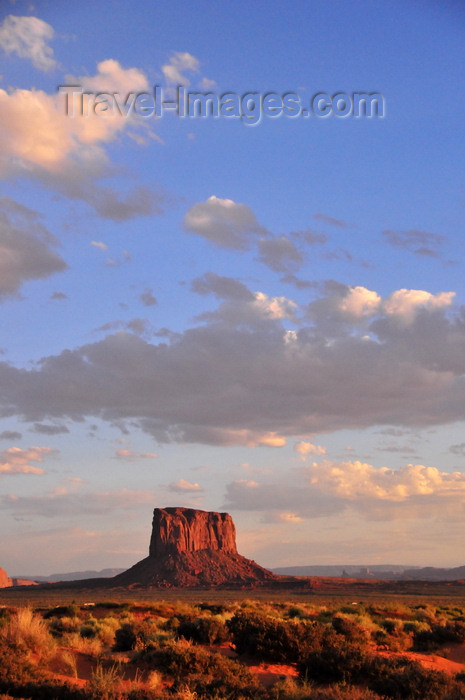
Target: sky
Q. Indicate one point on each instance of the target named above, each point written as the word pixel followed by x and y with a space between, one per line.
pixel 259 310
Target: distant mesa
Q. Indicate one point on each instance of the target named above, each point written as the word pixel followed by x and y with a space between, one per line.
pixel 194 548
pixel 7 582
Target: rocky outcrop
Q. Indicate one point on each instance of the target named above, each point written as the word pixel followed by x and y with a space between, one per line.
pixel 191 547
pixel 177 530
pixel 5 581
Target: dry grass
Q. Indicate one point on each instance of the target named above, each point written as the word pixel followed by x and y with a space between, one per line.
pixel 25 629
pixel 105 682
pixel 69 660
pixel 84 645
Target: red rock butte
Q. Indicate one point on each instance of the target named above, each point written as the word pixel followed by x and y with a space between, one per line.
pixel 176 530
pixel 194 548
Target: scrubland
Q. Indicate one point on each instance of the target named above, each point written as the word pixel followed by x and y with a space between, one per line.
pixel 223 647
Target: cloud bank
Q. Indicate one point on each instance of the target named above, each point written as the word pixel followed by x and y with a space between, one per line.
pixel 241 376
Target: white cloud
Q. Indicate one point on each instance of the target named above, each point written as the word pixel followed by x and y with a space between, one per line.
pixel 227 437
pixel 305 449
pixel 352 303
pixel 272 440
pixel 99 244
pixel 360 302
pixel 415 491
pixel 112 77
pixel 181 485
pixel 15 460
pixel 28 37
pixel 240 305
pixel 223 222
pixel 359 480
pixel 404 304
pixel 48 144
pixel 274 307
pixel 289 518
pixel 180 62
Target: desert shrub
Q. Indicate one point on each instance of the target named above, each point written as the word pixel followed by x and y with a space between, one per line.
pixel 136 635
pixel 171 624
pixel 397 637
pixel 295 611
pixel 215 609
pixel 425 613
pixel 430 639
pixel 392 626
pixel 401 678
pixel 5 614
pixel 112 605
pixel 58 626
pixel 125 638
pixel 291 689
pixel 179 610
pixel 270 638
pixel 204 630
pixel 325 616
pixel 106 629
pixel 334 658
pixel 14 664
pixel 62 611
pixel 350 628
pixel 416 626
pixel 205 673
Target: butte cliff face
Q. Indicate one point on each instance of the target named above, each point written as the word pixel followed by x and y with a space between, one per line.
pixel 190 548
pixel 178 530
pixel 5 581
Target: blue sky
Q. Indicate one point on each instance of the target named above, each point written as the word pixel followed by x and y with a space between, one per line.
pixel 265 319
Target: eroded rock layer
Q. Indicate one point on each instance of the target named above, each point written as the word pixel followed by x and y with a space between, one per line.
pixel 177 530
